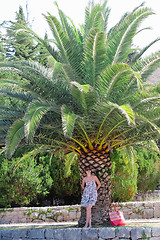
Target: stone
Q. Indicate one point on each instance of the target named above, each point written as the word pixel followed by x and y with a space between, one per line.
pixel 154 238
pixel 49 233
pixel 72 233
pixel 65 214
pixel 136 233
pixel 42 217
pixel 59 218
pixel 72 215
pixel 107 233
pixel 123 232
pixel 59 234
pixel 31 239
pixel 89 234
pixel 156 232
pixel 139 232
pixel 123 238
pixel 50 220
pixel 6 238
pixel 78 215
pixel 157 212
pixel 148 204
pixel 36 233
pixel 21 233
pixel 37 221
pixel 148 213
pixel 6 233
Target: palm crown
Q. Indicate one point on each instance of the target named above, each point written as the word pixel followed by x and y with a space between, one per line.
pixel 90 99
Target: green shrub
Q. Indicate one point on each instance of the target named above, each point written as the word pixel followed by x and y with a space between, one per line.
pixel 124 180
pixel 30 183
pixel 148 170
pixel 63 187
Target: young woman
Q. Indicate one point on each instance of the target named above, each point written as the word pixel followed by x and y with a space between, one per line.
pixel 90 185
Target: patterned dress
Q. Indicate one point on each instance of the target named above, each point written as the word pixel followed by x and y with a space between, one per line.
pixel 89 196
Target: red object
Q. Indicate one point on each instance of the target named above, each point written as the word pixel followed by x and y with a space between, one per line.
pixel 116 217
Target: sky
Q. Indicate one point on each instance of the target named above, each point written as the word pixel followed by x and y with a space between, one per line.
pixel 75 9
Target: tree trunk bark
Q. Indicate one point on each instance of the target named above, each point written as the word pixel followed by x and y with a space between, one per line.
pixel 100 212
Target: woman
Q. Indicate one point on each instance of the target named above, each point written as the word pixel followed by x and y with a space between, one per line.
pixel 90 185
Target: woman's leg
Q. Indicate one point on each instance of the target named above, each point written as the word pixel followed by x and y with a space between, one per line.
pixel 90 216
pixel 87 217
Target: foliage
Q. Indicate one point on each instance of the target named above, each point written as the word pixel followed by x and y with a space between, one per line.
pixel 148 169
pixel 66 188
pixel 142 175
pixel 124 180
pixel 21 47
pixel 28 184
pixel 36 180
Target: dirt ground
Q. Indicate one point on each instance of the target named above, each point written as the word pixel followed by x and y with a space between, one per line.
pixel 129 223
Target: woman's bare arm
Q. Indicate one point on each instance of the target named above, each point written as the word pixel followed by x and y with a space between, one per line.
pixel 83 184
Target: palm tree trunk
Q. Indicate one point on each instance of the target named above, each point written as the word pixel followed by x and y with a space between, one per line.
pixel 101 166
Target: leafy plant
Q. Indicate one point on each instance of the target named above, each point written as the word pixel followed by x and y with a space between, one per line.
pixel 124 180
pixel 148 169
pixel 29 184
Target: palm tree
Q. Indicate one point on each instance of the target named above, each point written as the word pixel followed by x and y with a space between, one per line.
pixel 90 100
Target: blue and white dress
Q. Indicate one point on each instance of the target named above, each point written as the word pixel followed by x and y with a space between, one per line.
pixel 89 196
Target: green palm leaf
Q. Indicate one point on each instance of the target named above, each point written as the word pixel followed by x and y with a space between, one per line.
pixel 68 121
pixel 119 41
pixel 115 80
pixel 114 116
pixel 34 152
pixel 148 65
pixel 95 58
pixel 96 16
pixel 19 95
pixel 35 111
pixel 139 54
pixel 84 96
pixel 59 35
pixel 70 158
pixel 14 137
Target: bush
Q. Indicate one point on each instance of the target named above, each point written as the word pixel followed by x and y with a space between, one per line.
pixel 148 170
pixel 30 183
pixel 63 188
pixel 124 180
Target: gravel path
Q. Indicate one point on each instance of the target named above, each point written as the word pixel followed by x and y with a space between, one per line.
pixel 130 223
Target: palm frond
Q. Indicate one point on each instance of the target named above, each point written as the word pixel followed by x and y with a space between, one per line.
pixel 68 121
pixel 38 149
pixel 84 96
pixel 70 158
pixel 119 41
pixel 115 80
pixel 141 52
pixel 8 82
pixel 23 96
pixel 35 111
pixel 96 16
pixel 95 58
pixel 14 137
pixel 148 65
pixel 59 34
pixel 149 107
pixel 114 118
